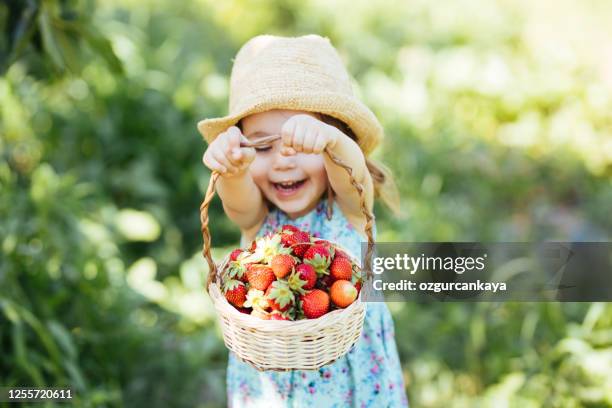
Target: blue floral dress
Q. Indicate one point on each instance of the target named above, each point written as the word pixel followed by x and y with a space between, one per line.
pixel 369 375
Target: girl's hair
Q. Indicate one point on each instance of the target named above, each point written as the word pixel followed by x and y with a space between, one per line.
pixel 382 177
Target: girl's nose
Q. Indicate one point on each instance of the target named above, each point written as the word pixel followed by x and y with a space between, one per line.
pixel 282 162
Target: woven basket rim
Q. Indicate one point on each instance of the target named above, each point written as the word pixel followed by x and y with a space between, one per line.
pixel 225 308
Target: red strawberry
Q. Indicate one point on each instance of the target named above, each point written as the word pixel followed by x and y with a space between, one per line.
pixel 280 296
pixel 245 310
pixel 282 264
pixel 323 242
pixel 253 245
pixel 343 293
pixel 236 270
pixel 319 257
pixel 315 303
pixel 260 276
pixel 304 278
pixel 279 316
pixel 294 239
pixel 341 254
pixel 235 253
pixel 289 228
pixel 341 268
pixel 235 292
pixel 326 281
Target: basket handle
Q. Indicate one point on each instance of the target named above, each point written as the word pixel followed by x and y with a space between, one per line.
pixel 264 141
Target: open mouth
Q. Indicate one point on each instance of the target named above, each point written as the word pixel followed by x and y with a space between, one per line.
pixel 288 186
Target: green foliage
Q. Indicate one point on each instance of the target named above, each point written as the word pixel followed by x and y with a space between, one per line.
pixel 493 130
pixel 52 33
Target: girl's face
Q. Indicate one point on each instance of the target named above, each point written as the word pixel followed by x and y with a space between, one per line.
pixel 293 183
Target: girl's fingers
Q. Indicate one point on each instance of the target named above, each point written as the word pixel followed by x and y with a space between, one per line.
pixel 288 151
pixel 233 138
pixel 231 146
pixel 235 156
pixel 248 155
pixel 319 145
pixel 216 166
pixel 298 139
pixel 287 132
pixel 309 140
pixel 224 161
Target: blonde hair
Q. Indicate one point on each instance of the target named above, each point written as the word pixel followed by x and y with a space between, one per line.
pixel 382 177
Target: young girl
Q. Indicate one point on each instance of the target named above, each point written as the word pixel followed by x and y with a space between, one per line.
pixel 298 88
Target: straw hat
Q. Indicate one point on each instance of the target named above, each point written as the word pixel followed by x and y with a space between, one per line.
pixel 296 73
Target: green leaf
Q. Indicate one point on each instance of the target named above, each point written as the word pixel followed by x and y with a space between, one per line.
pixel 102 46
pixel 22 34
pixel 49 40
pixel 76 375
pixel 63 338
pixel 69 48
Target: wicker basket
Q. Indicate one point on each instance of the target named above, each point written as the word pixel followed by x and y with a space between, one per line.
pixel 285 345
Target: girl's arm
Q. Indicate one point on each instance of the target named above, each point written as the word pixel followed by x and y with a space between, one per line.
pixel 242 199
pixel 350 153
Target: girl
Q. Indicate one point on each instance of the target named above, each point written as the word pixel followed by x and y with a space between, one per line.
pixel 299 89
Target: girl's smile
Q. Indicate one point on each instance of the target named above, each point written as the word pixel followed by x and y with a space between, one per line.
pixel 294 183
pixel 288 188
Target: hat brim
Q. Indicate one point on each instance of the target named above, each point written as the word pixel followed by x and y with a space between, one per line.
pixel 348 109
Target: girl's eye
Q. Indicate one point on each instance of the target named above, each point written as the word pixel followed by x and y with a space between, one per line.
pixel 262 149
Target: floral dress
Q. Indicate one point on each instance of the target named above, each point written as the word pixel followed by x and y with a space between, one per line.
pixel 369 375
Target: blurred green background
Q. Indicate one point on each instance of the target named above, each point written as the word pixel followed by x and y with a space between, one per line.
pixel 498 128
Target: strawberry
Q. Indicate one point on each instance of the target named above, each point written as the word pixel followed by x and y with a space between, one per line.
pixel 279 316
pixel 280 296
pixel 324 243
pixel 235 292
pixel 298 241
pixel 326 281
pixel 253 245
pixel 315 303
pixel 282 264
pixel 245 310
pixel 260 276
pixel 235 253
pixel 261 314
pixel 288 228
pixel 303 278
pixel 341 254
pixel 341 268
pixel 257 300
pixel 237 268
pixel 319 257
pixel 342 293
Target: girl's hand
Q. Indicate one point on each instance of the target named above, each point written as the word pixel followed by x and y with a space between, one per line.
pixel 306 134
pixel 226 156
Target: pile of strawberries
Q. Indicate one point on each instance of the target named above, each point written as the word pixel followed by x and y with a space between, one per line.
pixel 289 275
